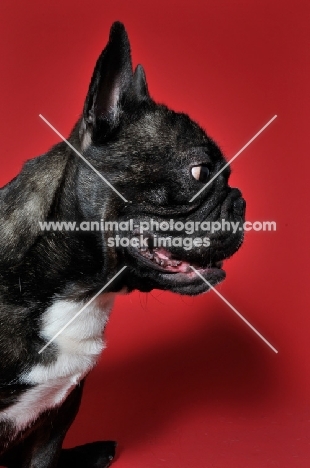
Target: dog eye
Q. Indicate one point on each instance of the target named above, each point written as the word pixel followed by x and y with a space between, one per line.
pixel 201 173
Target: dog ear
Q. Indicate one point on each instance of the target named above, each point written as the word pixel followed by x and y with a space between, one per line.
pixel 26 201
pixel 140 87
pixel 111 79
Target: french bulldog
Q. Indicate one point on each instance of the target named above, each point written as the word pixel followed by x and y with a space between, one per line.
pixel 153 161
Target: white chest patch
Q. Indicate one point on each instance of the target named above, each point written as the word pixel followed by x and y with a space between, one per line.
pixel 79 346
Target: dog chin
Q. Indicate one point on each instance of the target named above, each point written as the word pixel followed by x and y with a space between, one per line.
pixel 158 268
pixel 188 272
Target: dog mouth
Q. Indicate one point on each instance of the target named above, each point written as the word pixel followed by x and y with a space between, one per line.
pixel 163 260
pixel 171 266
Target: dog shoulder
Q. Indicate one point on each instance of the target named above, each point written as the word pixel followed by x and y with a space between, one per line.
pixel 27 200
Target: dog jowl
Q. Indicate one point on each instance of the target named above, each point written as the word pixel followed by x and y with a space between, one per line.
pixel 158 160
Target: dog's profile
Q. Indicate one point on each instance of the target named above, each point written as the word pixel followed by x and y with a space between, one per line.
pixel 157 160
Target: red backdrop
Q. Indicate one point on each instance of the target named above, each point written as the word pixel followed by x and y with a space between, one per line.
pixel 184 382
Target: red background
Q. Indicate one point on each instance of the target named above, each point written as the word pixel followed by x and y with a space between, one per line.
pixel 184 382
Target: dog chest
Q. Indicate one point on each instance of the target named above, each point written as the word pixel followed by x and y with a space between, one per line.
pixel 78 347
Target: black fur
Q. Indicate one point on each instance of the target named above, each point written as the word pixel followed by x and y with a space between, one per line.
pixel 146 151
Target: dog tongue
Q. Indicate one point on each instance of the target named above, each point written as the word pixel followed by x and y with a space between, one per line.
pixel 161 257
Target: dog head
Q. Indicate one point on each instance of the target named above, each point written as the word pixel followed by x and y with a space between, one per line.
pixel 158 161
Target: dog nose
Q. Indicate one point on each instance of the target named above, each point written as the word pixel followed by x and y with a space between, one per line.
pixel 239 207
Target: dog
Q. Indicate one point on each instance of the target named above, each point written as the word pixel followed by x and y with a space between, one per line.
pixel 153 162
